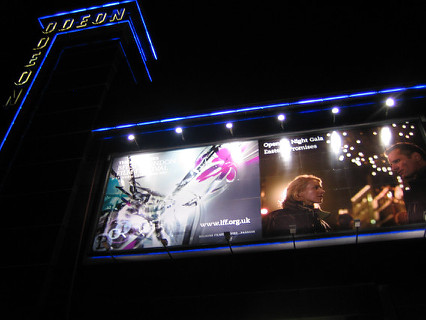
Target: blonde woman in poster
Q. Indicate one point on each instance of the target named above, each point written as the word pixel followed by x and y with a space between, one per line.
pixel 301 209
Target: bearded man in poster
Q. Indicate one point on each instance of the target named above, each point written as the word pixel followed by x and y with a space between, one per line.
pixel 409 162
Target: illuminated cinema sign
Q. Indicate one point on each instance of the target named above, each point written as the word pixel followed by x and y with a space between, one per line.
pixel 109 15
pixel 191 197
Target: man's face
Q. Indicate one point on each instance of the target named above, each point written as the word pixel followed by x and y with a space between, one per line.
pixel 403 165
pixel 314 193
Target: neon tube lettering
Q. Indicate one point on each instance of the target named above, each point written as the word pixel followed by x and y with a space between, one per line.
pixel 13 99
pixel 50 27
pixel 23 79
pixel 84 21
pixel 117 15
pixel 42 43
pixel 100 18
pixel 33 59
pixel 67 24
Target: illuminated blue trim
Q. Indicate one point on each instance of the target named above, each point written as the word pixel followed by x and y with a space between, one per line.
pixel 253 245
pixel 81 10
pixel 26 93
pixel 105 6
pixel 131 27
pixel 146 31
pixel 266 107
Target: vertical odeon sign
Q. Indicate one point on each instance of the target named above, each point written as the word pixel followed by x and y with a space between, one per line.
pixel 126 12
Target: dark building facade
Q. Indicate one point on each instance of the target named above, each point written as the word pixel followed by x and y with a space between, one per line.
pixel 63 125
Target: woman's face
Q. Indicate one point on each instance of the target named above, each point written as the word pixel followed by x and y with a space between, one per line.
pixel 313 193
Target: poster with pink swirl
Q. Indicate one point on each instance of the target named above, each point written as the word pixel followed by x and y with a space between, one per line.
pixel 181 197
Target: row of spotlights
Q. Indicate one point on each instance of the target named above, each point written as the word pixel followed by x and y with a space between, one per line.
pixel 390 102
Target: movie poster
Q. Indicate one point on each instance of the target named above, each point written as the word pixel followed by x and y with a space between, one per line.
pixel 181 197
pixel 355 177
pixel 190 197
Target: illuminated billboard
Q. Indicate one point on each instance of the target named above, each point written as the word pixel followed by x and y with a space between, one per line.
pixel 356 178
pixel 252 189
pixel 185 197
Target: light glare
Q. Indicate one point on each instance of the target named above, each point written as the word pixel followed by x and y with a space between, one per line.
pixel 386 136
pixel 390 102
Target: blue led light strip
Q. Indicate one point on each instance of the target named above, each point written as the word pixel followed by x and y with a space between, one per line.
pixel 337 239
pixel 131 27
pixel 263 107
pixel 106 6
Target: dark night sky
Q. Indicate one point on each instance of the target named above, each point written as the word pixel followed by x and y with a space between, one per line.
pixel 223 53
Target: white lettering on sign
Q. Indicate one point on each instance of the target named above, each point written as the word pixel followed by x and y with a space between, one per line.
pixel 295 144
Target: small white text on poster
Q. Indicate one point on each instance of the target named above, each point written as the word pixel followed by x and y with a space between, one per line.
pixel 293 145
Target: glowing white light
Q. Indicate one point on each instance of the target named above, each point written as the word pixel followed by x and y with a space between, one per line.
pixel 236 152
pixel 335 110
pixel 229 125
pixel 178 130
pixel 281 117
pixel 131 137
pixel 390 102
pixel 285 148
pixel 373 173
pixel 336 142
pixel 386 136
pixel 264 211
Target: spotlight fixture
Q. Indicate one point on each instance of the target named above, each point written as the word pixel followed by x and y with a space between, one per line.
pixel 165 244
pixel 335 110
pixel 293 232
pixel 179 130
pixel 281 118
pixel 228 238
pixel 132 137
pixel 229 125
pixel 390 102
pixel 357 225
